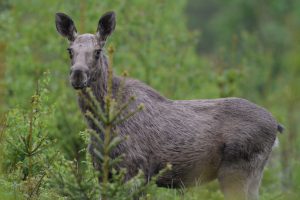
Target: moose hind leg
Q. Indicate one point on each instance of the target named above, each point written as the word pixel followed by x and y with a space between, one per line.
pixel 256 176
pixel 239 184
pixel 233 182
pixel 240 180
pixel 253 187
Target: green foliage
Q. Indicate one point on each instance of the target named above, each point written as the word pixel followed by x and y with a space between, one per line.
pixel 28 158
pixel 245 48
pixel 74 179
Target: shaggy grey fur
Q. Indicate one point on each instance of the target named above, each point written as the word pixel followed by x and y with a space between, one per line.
pixel 227 139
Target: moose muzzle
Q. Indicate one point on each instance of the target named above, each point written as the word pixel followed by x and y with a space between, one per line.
pixel 79 78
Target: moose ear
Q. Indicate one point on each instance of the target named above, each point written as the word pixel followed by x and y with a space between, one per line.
pixel 106 25
pixel 65 26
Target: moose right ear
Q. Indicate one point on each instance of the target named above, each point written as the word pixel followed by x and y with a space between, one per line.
pixel 65 26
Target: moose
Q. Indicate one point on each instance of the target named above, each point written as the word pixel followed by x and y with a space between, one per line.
pixel 228 139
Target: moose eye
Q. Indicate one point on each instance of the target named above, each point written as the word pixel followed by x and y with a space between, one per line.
pixel 97 53
pixel 70 51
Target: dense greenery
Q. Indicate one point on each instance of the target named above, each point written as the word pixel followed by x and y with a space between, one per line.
pixel 239 48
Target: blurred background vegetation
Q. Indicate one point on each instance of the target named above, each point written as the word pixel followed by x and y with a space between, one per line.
pixel 185 49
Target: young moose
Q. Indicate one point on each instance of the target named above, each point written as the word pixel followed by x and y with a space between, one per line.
pixel 228 139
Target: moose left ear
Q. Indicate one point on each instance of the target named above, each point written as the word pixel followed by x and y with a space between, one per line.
pixel 106 25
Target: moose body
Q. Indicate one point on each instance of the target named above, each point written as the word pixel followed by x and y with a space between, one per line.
pixel 228 139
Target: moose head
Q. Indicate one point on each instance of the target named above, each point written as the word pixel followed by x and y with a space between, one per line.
pixel 85 50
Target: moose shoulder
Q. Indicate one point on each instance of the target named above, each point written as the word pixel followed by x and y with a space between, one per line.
pixel 227 139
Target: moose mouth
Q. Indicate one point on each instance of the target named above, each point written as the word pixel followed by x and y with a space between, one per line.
pixel 79 86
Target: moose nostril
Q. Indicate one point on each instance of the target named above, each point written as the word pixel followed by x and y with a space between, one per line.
pixel 77 72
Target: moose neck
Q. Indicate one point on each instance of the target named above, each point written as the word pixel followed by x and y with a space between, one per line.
pixel 99 85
